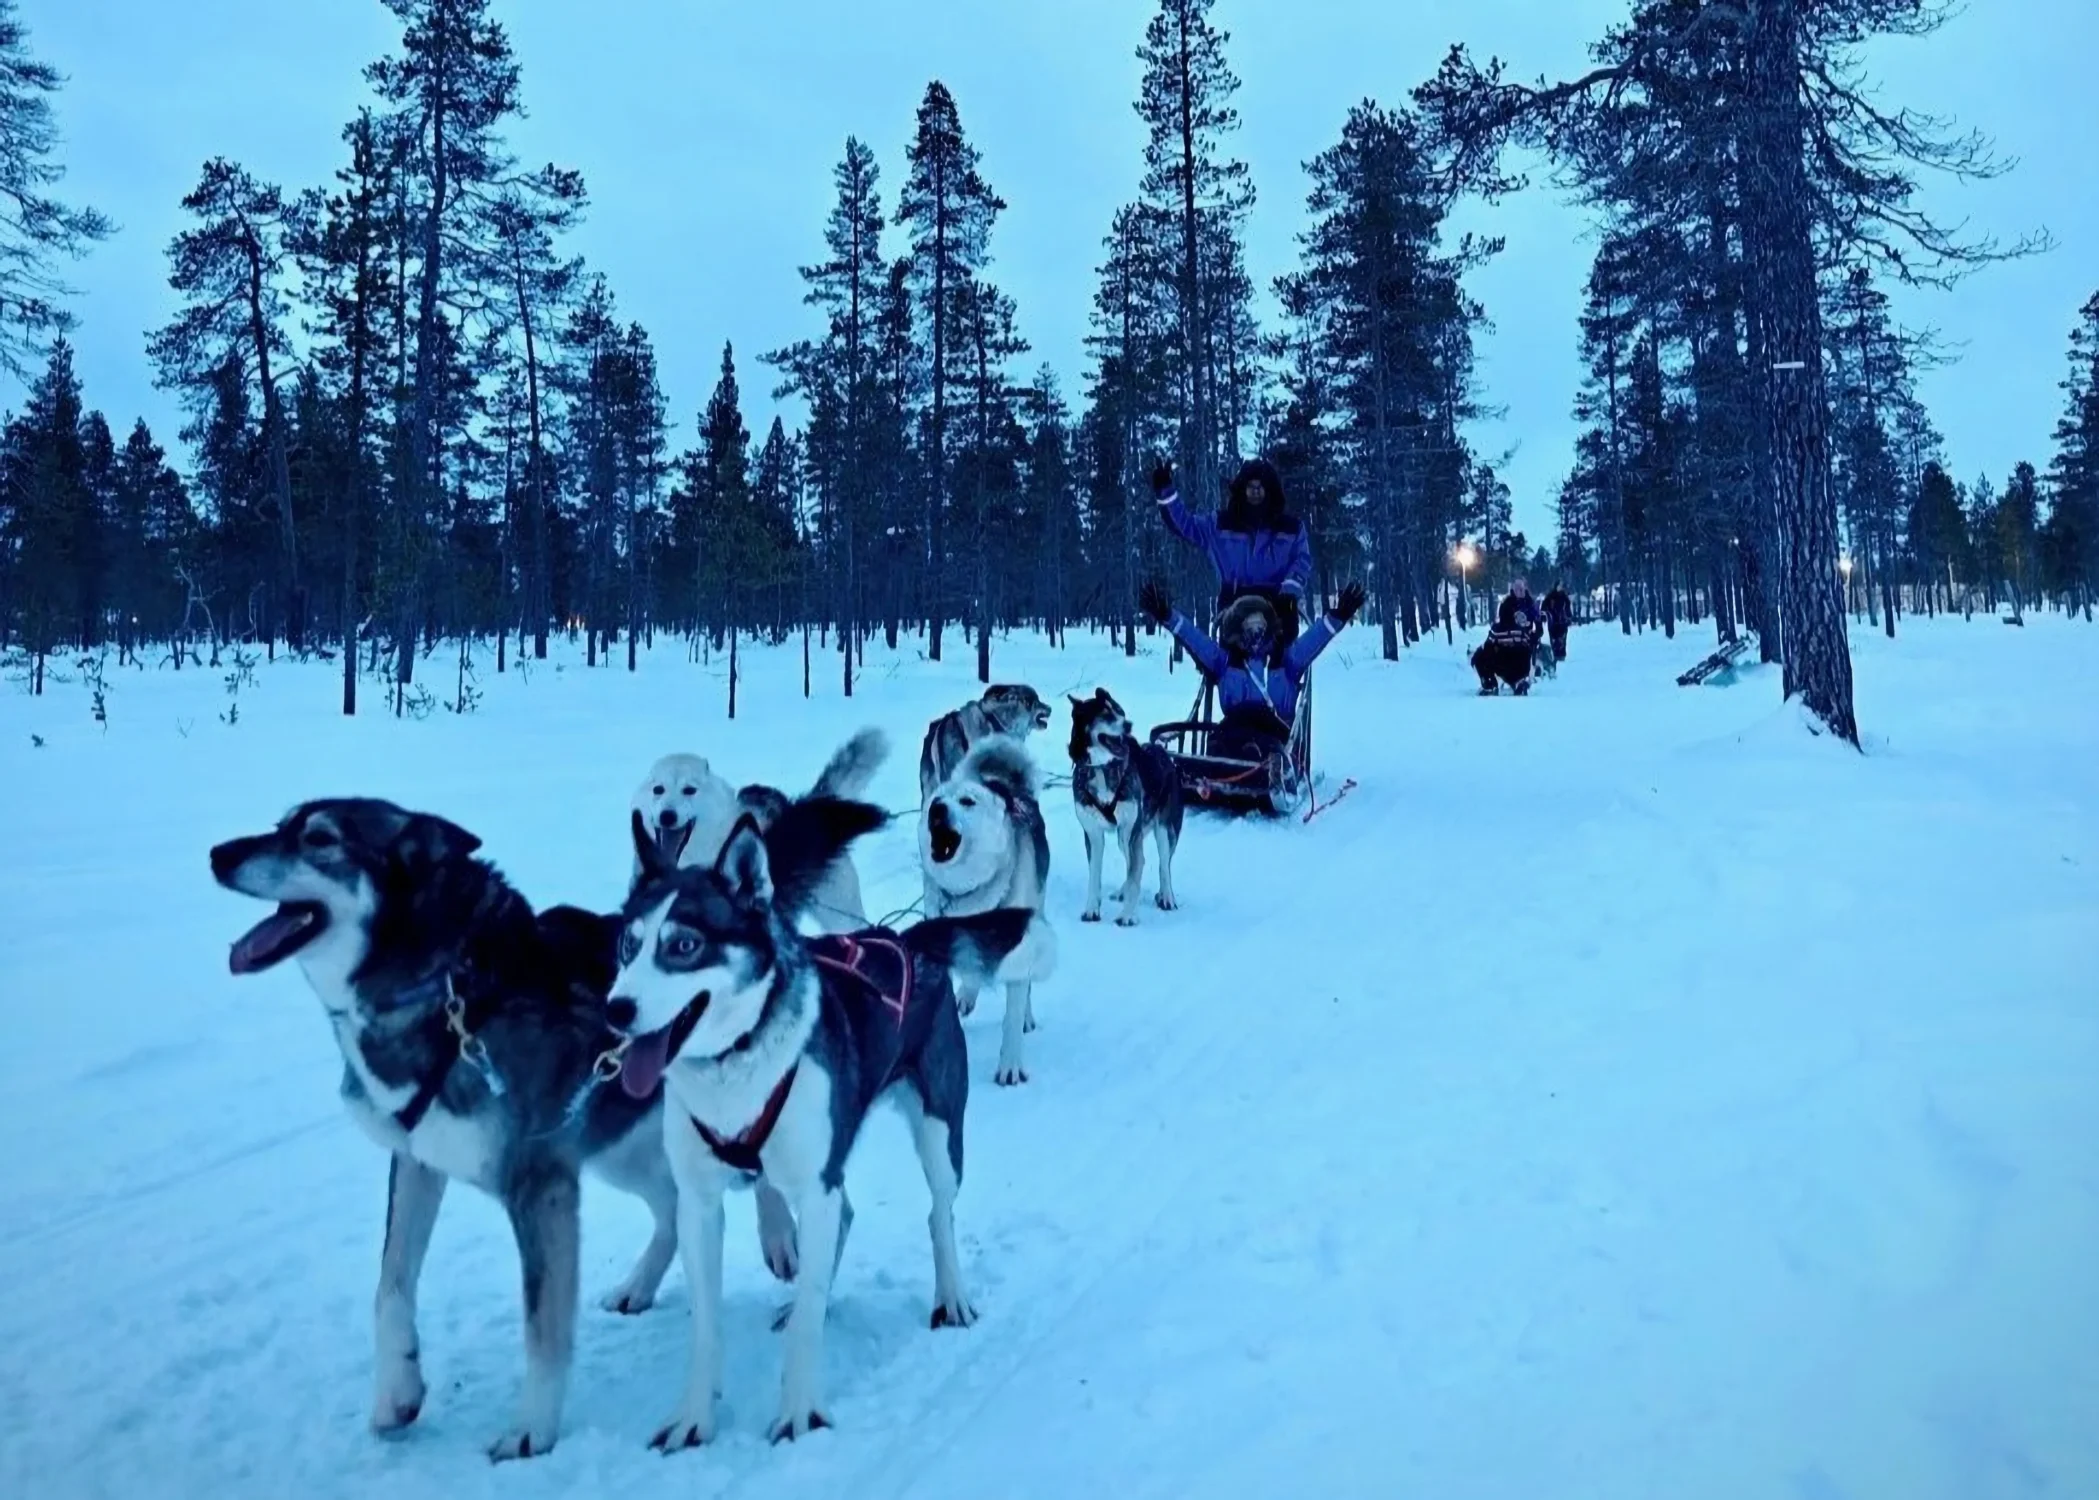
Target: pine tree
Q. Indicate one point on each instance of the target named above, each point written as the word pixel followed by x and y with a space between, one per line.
pixel 1190 184
pixel 229 270
pixel 36 229
pixel 2073 474
pixel 949 209
pixel 43 472
pixel 452 86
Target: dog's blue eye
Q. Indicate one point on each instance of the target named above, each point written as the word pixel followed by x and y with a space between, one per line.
pixel 682 946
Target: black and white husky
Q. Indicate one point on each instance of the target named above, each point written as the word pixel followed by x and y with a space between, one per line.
pixel 772 1049
pixel 1122 786
pixel 474 1037
pixel 983 845
pixel 690 810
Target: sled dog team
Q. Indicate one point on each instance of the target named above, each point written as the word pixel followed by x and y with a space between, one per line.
pixel 732 1025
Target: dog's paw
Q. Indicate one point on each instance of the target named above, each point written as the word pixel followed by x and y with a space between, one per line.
pixel 954 1312
pixel 1089 916
pixel 1165 902
pixel 628 1300
pixel 782 1258
pixel 398 1399
pixel 685 1430
pixel 1009 1074
pixel 523 1443
pixel 798 1424
pixel 1126 921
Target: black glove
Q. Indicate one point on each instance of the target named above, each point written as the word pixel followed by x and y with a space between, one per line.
pixel 1155 601
pixel 1349 601
pixel 1162 479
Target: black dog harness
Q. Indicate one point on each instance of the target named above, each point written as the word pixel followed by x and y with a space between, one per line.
pixel 873 959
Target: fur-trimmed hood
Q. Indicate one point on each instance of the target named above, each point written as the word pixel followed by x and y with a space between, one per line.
pixel 1232 625
pixel 1240 514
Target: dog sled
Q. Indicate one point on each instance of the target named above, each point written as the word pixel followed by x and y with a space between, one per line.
pixel 1720 661
pixel 1277 784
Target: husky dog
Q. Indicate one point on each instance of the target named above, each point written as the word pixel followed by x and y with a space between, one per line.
pixel 1126 787
pixel 473 1036
pixel 1543 662
pixel 690 810
pixel 772 1049
pixel 983 844
pixel 1006 708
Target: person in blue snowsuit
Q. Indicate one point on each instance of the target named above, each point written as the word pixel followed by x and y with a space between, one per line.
pixel 1258 675
pixel 1257 547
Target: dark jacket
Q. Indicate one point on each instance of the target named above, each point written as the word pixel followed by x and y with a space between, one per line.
pixel 1559 610
pixel 1263 549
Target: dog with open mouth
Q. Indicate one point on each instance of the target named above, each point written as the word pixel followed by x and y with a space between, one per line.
pixel 1125 787
pixel 983 845
pixel 772 1049
pixel 690 809
pixel 475 1048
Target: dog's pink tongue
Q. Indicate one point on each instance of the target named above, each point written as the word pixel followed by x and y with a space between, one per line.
pixel 642 1068
pixel 264 943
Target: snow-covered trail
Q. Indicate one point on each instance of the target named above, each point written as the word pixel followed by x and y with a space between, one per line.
pixel 1618 1095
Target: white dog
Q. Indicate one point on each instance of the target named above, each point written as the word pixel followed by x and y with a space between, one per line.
pixel 690 811
pixel 983 843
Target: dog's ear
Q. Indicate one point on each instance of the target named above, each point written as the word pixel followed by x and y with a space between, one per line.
pixel 653 865
pixel 436 839
pixel 743 862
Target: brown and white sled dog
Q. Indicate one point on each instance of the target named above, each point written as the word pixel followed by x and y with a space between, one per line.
pixel 772 1049
pixel 475 1043
pixel 984 846
pixel 690 810
pixel 1013 709
pixel 1122 786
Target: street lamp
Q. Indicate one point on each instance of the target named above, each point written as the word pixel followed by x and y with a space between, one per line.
pixel 1466 556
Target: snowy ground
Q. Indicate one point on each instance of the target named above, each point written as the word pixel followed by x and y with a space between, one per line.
pixel 1619 1095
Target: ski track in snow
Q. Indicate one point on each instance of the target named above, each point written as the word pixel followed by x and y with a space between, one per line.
pixel 1622 1094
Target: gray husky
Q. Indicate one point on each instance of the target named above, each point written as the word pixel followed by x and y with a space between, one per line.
pixel 771 1050
pixel 1013 709
pixel 1123 786
pixel 983 846
pixel 474 1037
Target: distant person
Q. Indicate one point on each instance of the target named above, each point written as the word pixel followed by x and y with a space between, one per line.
pixel 1505 656
pixel 1559 616
pixel 1257 546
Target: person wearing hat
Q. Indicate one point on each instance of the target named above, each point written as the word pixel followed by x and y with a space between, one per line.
pixel 1257 673
pixel 1258 548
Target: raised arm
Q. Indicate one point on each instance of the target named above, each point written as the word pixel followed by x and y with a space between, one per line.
pixel 1197 531
pixel 1208 656
pixel 1306 648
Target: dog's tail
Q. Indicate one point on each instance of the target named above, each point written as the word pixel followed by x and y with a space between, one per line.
pixel 810 835
pixel 974 950
pixel 854 766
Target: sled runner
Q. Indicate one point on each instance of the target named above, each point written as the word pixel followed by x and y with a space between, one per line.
pixel 1276 785
pixel 1718 662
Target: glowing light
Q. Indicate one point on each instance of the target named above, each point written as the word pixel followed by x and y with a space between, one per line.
pixel 1466 555
pixel 1844 566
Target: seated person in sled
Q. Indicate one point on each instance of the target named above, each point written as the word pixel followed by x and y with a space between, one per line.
pixel 1257 547
pixel 1257 674
pixel 1505 656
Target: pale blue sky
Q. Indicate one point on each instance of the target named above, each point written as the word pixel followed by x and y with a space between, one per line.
pixel 707 130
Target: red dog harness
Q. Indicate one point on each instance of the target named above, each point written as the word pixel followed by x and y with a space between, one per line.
pixel 873 959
